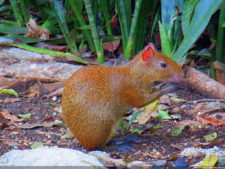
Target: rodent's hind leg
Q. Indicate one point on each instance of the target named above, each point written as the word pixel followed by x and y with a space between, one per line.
pixel 110 135
pixel 94 133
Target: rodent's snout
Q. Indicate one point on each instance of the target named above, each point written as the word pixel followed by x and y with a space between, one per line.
pixel 176 77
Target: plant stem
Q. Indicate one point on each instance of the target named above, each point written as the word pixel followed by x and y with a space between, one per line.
pixel 81 22
pixel 58 9
pixel 130 44
pixel 17 12
pixel 94 31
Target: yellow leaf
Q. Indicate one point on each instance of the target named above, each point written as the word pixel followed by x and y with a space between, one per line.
pixel 144 116
pixel 209 161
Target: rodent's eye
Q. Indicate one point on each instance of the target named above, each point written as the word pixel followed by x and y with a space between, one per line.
pixel 163 65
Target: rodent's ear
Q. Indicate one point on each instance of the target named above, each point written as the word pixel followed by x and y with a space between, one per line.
pixel 148 52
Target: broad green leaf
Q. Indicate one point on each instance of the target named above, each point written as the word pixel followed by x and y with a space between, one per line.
pixel 165 42
pixel 8 22
pixel 105 9
pixel 21 38
pixel 168 9
pixel 203 12
pixel 154 24
pixel 157 127
pixel 136 131
pixel 124 20
pixel 24 6
pixel 5 8
pixel 6 29
pixel 220 41
pixel 223 25
pixel 88 27
pixel 163 115
pixel 177 35
pixel 211 137
pixel 109 38
pixel 58 9
pixel 17 12
pixel 94 31
pixel 76 7
pixel 133 118
pixel 209 162
pixel 9 92
pixel 45 51
pixel 25 116
pixel 177 131
pixel 187 13
pixel 122 125
pixel 141 29
pixel 133 30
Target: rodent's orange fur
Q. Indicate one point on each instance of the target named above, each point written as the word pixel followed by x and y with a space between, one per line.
pixel 96 97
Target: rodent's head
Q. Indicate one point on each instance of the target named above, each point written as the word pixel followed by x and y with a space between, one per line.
pixel 159 67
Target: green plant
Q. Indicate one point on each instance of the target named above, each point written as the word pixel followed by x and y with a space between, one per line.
pixel 125 127
pixel 81 21
pixel 220 42
pixel 179 33
pixel 58 10
pixel 94 31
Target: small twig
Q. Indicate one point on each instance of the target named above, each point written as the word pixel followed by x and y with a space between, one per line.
pixel 196 101
pixel 57 92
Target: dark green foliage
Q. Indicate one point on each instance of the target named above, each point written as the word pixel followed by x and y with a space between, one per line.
pixel 180 23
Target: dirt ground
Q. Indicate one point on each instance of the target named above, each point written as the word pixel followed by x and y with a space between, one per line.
pixel 156 144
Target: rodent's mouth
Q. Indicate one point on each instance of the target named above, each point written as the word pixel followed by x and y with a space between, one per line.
pixel 156 84
pixel 163 85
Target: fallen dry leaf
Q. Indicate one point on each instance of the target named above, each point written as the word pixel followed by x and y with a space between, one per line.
pixel 191 124
pixel 206 119
pixel 154 155
pixel 48 118
pixel 149 111
pixel 177 146
pixel 35 31
pixel 12 118
pixel 9 100
pixel 207 144
pixel 52 47
pixel 12 128
pixel 114 21
pixel 33 91
pixel 111 46
pixel 35 125
pixel 165 99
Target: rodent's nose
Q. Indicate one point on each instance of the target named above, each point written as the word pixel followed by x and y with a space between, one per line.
pixel 176 77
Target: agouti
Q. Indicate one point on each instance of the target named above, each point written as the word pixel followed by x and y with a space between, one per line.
pixel 96 97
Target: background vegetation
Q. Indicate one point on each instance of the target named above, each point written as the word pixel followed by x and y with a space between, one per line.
pixel 178 23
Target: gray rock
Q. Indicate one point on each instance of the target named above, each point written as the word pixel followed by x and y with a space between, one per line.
pixel 106 160
pixel 220 152
pixel 25 64
pixel 221 163
pixel 160 163
pixel 49 156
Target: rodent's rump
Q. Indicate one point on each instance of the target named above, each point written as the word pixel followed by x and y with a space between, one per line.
pixel 96 97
